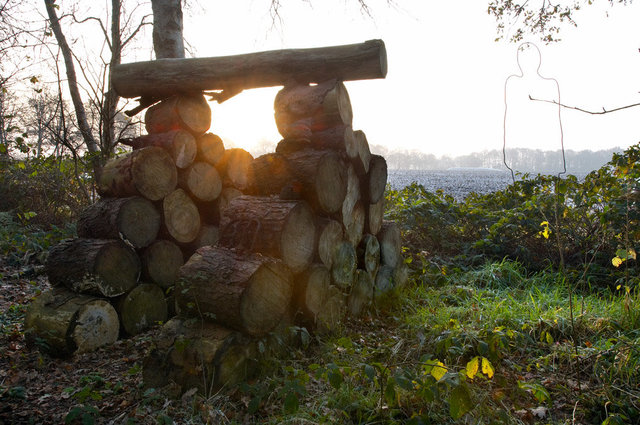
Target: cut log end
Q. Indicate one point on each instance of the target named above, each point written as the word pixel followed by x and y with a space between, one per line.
pixel 143 307
pixel 181 216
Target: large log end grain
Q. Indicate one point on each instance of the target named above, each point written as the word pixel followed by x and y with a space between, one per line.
pixel 62 322
pixel 102 267
pixel 376 179
pixel 363 158
pixel 180 144
pixel 143 307
pixel 344 266
pixel 369 254
pixel 181 216
pixel 270 174
pixel 161 262
pixel 250 293
pixel 134 219
pixel 210 148
pixel 201 180
pixel 355 228
pixel 340 138
pixel 278 228
pixel 310 293
pixel 209 236
pixel 390 244
pixel 361 294
pixel 235 166
pixel 186 112
pixel 334 311
pixel 196 354
pixel 149 172
pixel 374 217
pixel 329 236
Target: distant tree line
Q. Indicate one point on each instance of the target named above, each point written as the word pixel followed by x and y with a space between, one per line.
pixel 522 160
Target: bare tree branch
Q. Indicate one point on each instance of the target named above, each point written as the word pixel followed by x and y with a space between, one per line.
pixel 604 111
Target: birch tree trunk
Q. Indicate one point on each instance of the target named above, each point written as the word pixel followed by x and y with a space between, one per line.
pixel 167 29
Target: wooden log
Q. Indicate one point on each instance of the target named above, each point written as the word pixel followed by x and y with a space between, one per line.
pixel 323 178
pixel 180 144
pixel 273 227
pixel 384 282
pixel 390 244
pixel 143 307
pixel 401 274
pixel 235 166
pixel 270 174
pixel 334 311
pixel 167 29
pixel 374 217
pixel 62 322
pixel 195 354
pixel 210 148
pixel 329 235
pixel 316 107
pixel 352 196
pixel 376 181
pixel 311 288
pixel 133 219
pixel 340 138
pixel 292 145
pixel 344 266
pixel 148 172
pixel 361 294
pixel 355 229
pixel 208 236
pixel 249 293
pixel 186 112
pixel 165 77
pixel 181 217
pixel 201 180
pixel 363 158
pixel 369 254
pixel 161 262
pixel 103 267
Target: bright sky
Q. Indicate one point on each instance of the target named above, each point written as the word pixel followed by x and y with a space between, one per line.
pixel 445 89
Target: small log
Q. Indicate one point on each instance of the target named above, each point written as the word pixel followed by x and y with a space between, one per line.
pixel 361 294
pixel 161 262
pixel 369 254
pixel 311 288
pixel 186 112
pixel 195 354
pixel 334 311
pixel 323 178
pixel 352 196
pixel 374 217
pixel 273 227
pixel 63 322
pixel 363 159
pixel 292 145
pixel 390 244
pixel 329 236
pixel 270 174
pixel 344 266
pixel 354 230
pixel 143 307
pixel 401 275
pixel 149 172
pixel 180 144
pixel 181 216
pixel 376 181
pixel 319 107
pixel 201 180
pixel 249 293
pixel 384 282
pixel 103 267
pixel 165 77
pixel 340 138
pixel 208 236
pixel 235 166
pixel 210 148
pixel 132 219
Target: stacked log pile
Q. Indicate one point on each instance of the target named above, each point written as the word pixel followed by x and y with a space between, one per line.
pixel 296 236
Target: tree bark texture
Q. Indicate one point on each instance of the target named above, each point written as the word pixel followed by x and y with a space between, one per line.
pixel 196 354
pixel 340 138
pixel 148 172
pixel 180 216
pixel 161 262
pixel 201 180
pixel 210 148
pixel 249 293
pixel 165 77
pixel 345 261
pixel 273 227
pixel 134 219
pixel 65 322
pixel 102 267
pixel 235 167
pixel 318 108
pixel 270 174
pixel 322 176
pixel 187 112
pixel 167 28
pixel 143 307
pixel 292 145
pixel 180 144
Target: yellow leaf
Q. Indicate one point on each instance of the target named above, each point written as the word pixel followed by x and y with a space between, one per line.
pixel 544 223
pixel 618 287
pixel 438 371
pixel 472 367
pixel 616 261
pixel 549 338
pixel 487 369
pixel 631 254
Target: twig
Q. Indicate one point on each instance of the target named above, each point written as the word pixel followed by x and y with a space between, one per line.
pixel 604 111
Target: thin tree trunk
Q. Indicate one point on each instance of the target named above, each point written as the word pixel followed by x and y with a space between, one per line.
pixel 167 29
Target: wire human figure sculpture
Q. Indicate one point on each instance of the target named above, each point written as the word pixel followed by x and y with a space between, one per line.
pixel 534 134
